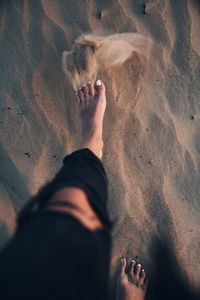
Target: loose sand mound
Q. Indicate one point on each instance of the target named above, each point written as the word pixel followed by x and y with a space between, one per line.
pixel 93 53
pixel 151 130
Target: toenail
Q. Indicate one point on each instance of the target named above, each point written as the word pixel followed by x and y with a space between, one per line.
pixel 122 260
pixel 89 82
pixel 76 94
pixel 98 82
pixel 79 88
pixel 84 85
pixel 142 270
pixel 133 261
pixel 139 265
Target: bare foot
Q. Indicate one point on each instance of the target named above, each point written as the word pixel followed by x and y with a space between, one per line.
pixel 131 284
pixel 91 105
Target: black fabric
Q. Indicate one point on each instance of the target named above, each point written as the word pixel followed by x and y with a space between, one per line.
pixel 51 255
pixel 80 169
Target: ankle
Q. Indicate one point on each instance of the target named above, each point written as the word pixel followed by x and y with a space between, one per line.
pixel 95 145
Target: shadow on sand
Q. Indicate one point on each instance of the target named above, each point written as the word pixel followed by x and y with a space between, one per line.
pixel 170 281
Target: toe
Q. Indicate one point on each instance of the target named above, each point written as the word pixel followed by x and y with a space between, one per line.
pixel 122 266
pixel 137 270
pixel 77 98
pixel 131 267
pixel 85 90
pixel 81 96
pixel 142 276
pixel 100 87
pixel 91 91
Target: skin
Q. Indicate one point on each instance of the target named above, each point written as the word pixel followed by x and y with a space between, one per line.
pixel 90 106
pixel 131 281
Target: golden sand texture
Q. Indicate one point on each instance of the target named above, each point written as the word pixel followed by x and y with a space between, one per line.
pixel 93 53
pixel 151 128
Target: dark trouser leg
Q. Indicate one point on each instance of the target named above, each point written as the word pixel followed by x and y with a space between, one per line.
pixel 52 256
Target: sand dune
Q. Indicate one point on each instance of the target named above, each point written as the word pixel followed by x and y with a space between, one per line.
pixel 151 130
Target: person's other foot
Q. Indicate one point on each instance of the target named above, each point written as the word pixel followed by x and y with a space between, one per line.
pixel 90 105
pixel 131 283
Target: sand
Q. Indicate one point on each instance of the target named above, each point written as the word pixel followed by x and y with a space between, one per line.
pixel 151 129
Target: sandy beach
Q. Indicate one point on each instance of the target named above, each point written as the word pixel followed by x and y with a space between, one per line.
pixel 151 129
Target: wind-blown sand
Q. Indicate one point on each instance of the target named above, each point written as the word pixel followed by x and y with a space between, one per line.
pixel 151 129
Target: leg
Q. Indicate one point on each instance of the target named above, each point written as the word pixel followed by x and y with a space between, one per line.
pixel 81 208
pixel 90 106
